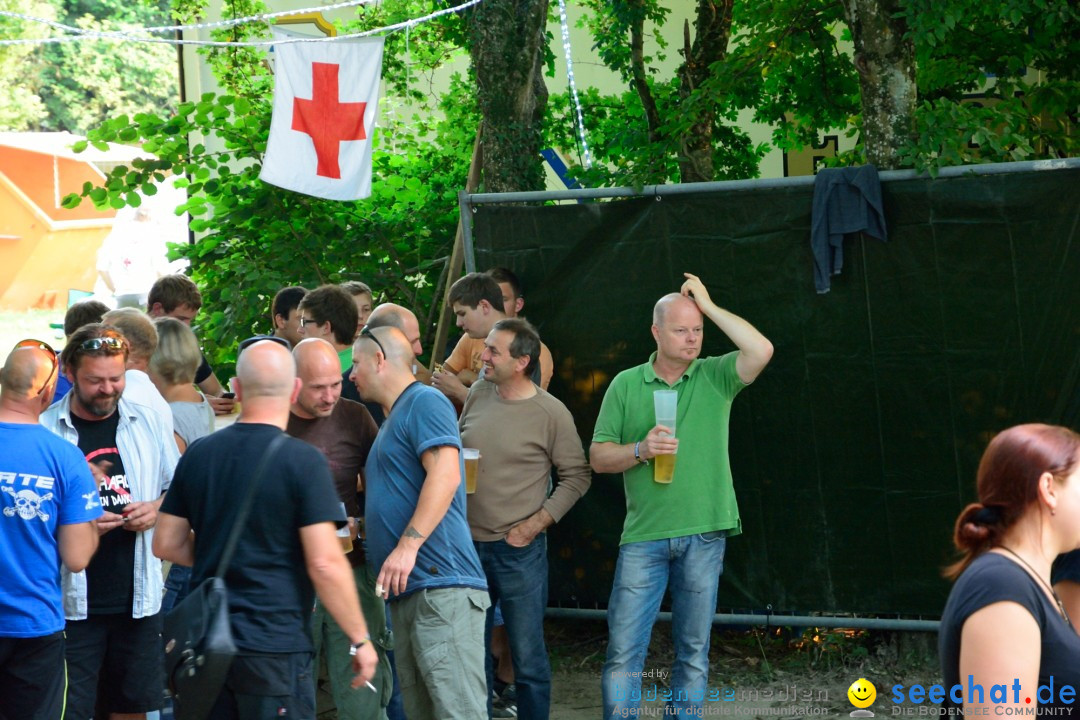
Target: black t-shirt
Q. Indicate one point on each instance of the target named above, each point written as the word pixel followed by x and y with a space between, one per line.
pixel 270 594
pixel 993 578
pixel 1067 567
pixel 203 371
pixel 110 576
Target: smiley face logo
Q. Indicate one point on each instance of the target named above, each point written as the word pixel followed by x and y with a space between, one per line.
pixel 862 693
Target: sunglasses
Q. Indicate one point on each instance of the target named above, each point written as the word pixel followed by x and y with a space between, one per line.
pixel 39 345
pixel 366 332
pixel 111 343
pixel 244 345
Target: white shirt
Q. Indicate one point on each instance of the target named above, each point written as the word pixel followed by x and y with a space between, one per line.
pixel 150 456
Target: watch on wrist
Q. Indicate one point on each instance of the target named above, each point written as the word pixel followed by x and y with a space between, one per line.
pixel 637 454
pixel 355 647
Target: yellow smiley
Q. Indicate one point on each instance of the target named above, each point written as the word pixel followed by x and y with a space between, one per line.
pixel 862 693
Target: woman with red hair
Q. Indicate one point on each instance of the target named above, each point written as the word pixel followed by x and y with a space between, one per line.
pixel 1004 624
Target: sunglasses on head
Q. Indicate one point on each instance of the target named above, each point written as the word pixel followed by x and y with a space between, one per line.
pixel 111 343
pixel 39 345
pixel 366 332
pixel 245 344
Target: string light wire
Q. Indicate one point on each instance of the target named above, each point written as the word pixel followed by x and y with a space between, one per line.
pixel 84 34
pixel 564 26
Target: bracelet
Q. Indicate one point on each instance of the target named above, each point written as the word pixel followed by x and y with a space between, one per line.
pixel 637 453
pixel 355 647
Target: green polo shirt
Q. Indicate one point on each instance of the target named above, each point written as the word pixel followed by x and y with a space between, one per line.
pixel 701 497
pixel 345 358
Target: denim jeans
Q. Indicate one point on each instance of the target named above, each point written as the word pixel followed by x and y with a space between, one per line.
pixel 518 579
pixel 177 587
pixel 692 565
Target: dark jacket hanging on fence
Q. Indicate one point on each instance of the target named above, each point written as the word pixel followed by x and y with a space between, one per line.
pixel 846 200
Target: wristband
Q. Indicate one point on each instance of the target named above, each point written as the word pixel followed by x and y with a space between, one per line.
pixel 637 454
pixel 355 647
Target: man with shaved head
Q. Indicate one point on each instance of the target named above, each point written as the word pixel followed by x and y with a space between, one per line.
pixel 675 531
pixel 395 316
pixel 49 502
pixel 418 538
pixel 343 431
pixel 286 554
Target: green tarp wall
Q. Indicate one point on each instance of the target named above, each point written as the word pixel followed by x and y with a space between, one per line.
pixel 855 450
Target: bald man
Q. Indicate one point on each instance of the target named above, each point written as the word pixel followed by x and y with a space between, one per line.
pixel 49 502
pixel 287 553
pixel 675 530
pixel 343 431
pixel 418 538
pixel 395 316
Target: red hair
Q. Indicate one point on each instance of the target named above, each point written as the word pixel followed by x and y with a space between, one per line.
pixel 1007 484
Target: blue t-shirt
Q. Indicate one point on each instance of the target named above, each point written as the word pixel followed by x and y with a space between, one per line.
pixel 421 419
pixel 44 483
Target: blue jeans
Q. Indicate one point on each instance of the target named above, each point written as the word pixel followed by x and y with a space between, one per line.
pixel 692 564
pixel 518 579
pixel 177 587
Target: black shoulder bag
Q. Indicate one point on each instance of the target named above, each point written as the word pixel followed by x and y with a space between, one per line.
pixel 199 647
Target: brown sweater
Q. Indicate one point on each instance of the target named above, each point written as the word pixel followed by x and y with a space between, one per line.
pixel 519 442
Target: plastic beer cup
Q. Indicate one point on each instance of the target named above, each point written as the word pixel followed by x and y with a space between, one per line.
pixel 472 468
pixel 666 403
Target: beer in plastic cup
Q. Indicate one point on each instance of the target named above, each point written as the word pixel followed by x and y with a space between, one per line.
pixel 345 534
pixel 472 468
pixel 664 468
pixel 665 403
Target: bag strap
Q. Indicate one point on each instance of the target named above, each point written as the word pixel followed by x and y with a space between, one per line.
pixel 245 508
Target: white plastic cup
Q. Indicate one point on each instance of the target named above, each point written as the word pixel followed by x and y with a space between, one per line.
pixel 666 403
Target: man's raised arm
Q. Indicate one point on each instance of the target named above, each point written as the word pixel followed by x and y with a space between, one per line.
pixel 755 350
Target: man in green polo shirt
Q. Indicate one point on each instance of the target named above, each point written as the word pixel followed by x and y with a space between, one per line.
pixel 674 532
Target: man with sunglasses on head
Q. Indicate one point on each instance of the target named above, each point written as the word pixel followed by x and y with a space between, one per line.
pixel 113 606
pixel 48 503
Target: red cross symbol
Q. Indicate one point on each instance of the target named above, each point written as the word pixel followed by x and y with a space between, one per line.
pixel 326 120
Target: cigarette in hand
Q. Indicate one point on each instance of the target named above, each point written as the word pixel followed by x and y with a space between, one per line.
pixel 370 686
pixel 379 590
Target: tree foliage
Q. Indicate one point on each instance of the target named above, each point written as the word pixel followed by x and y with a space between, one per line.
pixel 84 83
pixel 662 128
pixel 20 106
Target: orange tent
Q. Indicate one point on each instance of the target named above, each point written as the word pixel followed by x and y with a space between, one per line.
pixel 45 250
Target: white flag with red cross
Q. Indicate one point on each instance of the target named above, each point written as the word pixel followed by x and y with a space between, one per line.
pixel 326 96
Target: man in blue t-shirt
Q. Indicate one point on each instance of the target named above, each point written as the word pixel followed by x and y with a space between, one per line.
pixel 49 502
pixel 417 536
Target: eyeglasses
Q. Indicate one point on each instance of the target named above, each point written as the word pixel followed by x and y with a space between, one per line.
pixel 112 343
pixel 244 345
pixel 304 321
pixel 39 345
pixel 366 332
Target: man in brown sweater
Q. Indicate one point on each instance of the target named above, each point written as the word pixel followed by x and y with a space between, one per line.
pixel 521 432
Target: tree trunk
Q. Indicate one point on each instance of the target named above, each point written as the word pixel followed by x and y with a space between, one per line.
pixel 886 64
pixel 713 27
pixel 506 37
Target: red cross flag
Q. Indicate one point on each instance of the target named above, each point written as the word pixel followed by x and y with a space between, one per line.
pixel 326 96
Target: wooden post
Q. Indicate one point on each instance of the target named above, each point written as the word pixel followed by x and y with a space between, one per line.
pixel 457 259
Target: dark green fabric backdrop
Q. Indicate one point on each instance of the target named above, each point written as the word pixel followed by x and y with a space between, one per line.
pixel 856 449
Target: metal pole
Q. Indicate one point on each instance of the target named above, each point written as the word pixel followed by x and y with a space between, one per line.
pixel 465 208
pixel 770 620
pixel 737 185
